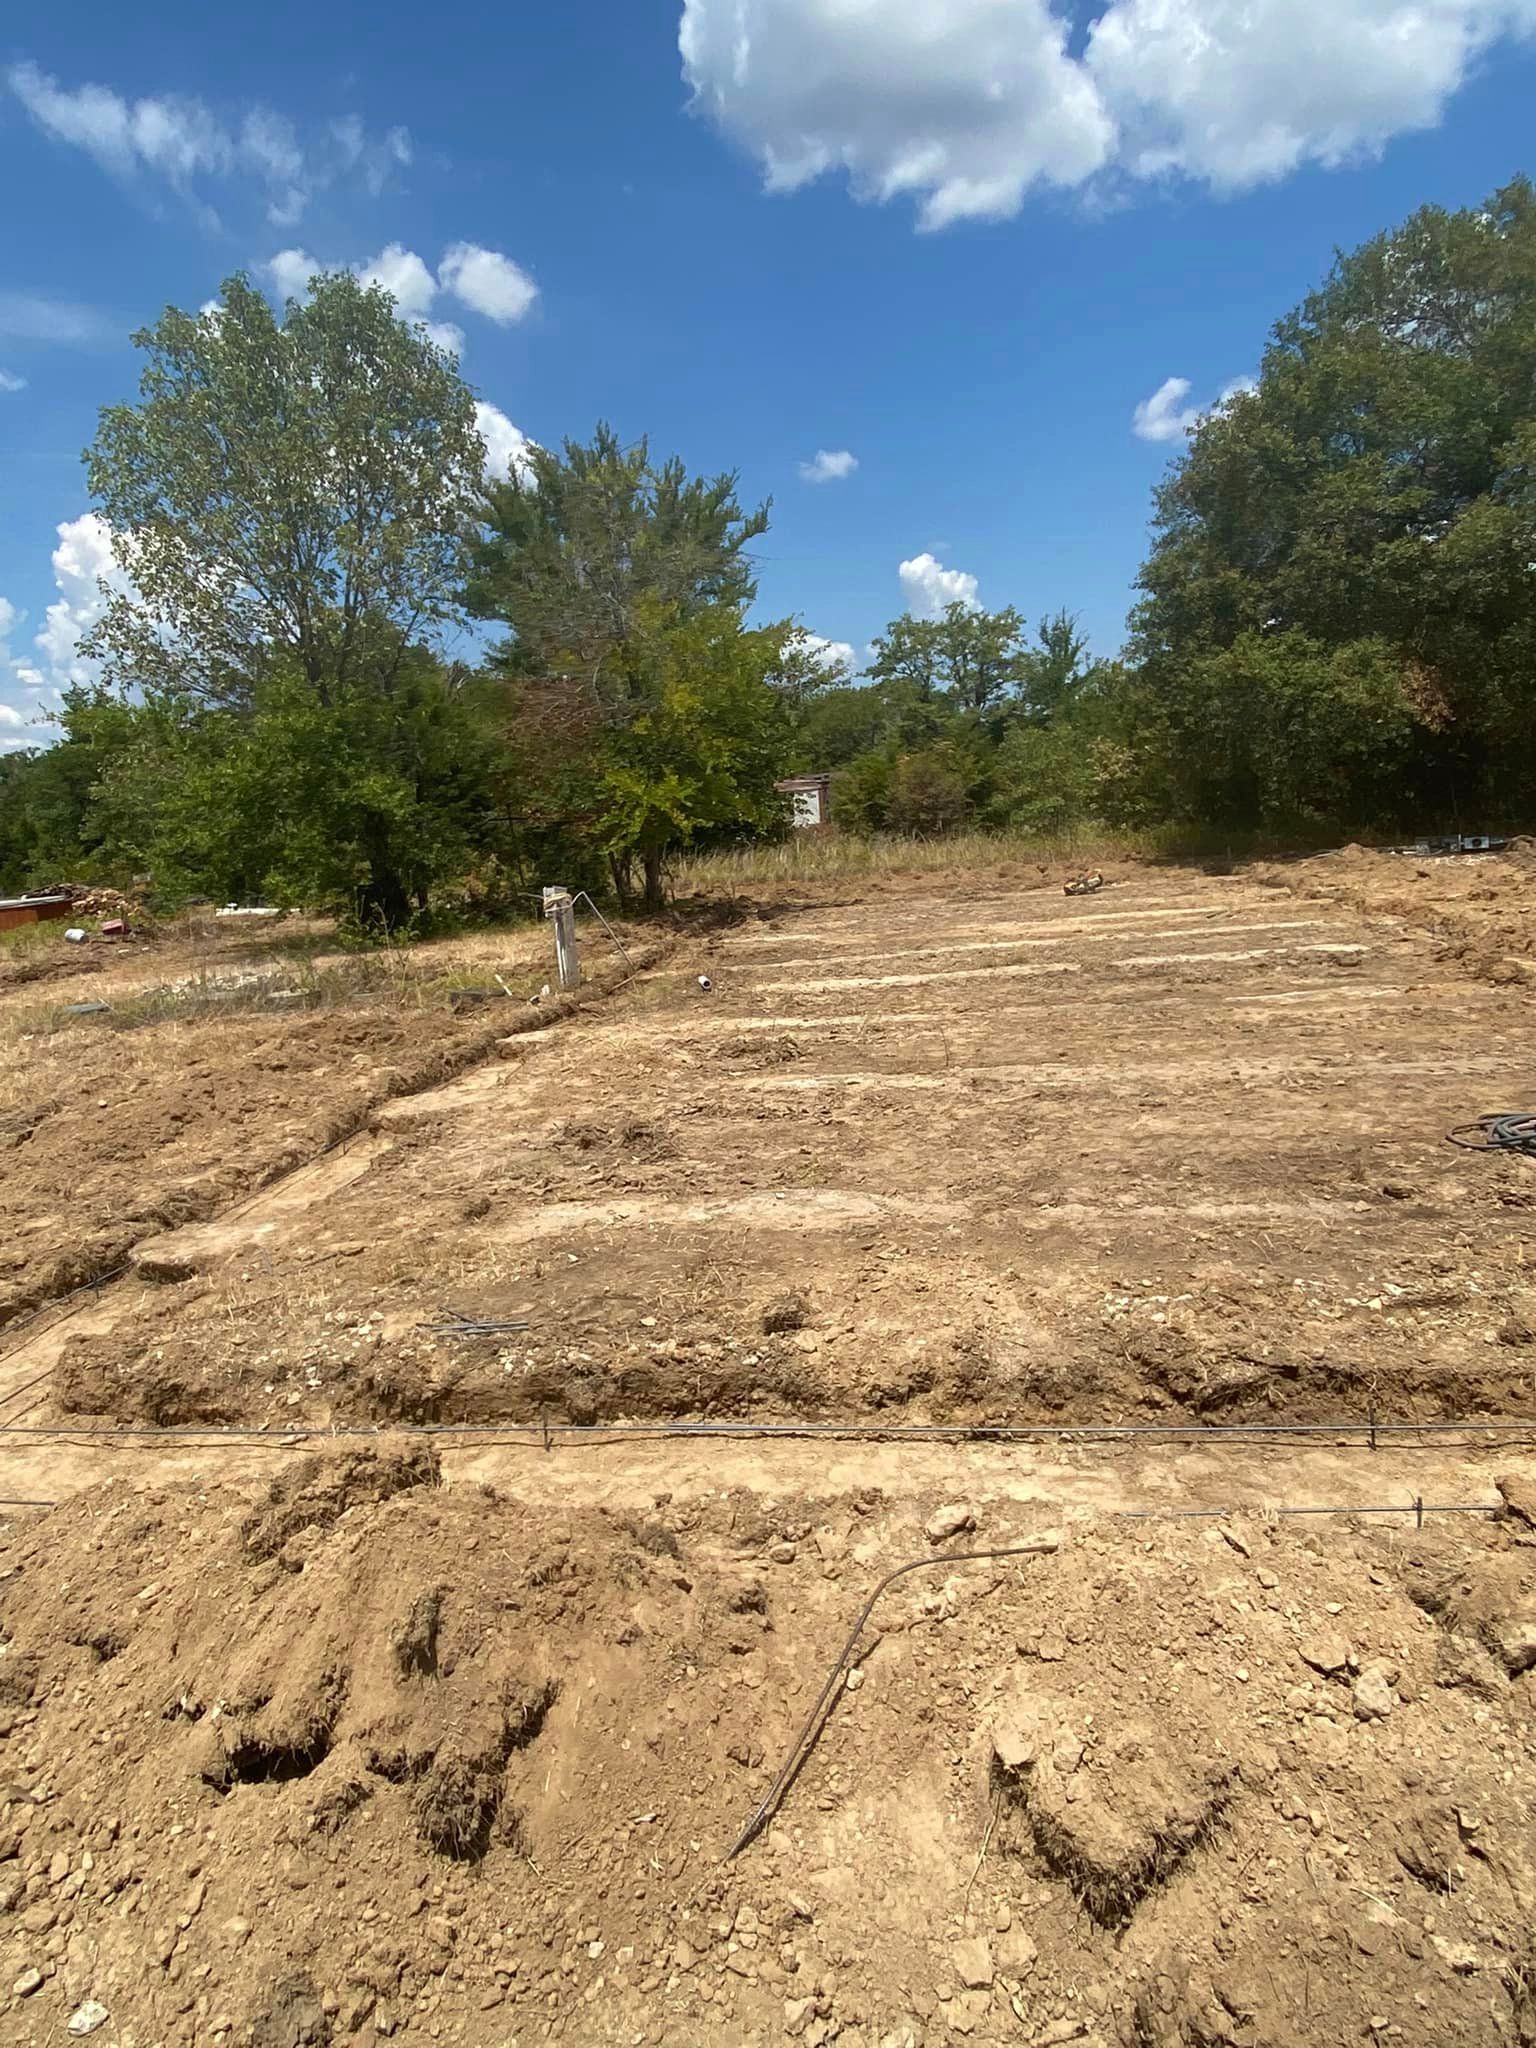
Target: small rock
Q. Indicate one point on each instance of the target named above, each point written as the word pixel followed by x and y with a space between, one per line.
pixel 58 1869
pixel 1514 1637
pixel 1067 1754
pixel 1267 1578
pixel 782 1553
pixel 1051 1649
pixel 972 1962
pixel 1238 1541
pixel 797 2012
pixel 28 1982
pixel 950 1520
pixel 1373 1697
pixel 1058 2031
pixel 1519 1496
pixel 1328 1654
pixel 85 2019
pixel 1016 1953
pixel 1459 1956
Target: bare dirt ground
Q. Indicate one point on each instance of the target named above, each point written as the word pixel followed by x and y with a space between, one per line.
pixel 219 1061
pixel 448 1738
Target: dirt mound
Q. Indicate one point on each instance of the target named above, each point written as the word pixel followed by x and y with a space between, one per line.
pixel 374 1757
pixel 1482 905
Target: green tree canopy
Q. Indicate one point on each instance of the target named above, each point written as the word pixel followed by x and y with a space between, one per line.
pixel 1378 487
pixel 972 657
pixel 579 547
pixel 287 496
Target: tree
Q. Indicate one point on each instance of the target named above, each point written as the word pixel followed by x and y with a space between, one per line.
pixel 289 503
pixel 705 743
pixel 578 547
pixel 647 711
pixel 1054 668
pixel 362 802
pixel 286 496
pixel 971 657
pixel 1376 491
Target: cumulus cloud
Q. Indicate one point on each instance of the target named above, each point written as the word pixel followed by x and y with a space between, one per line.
pixel 507 448
pixel 405 277
pixel 185 142
pixel 483 280
pixel 8 382
pixel 969 106
pixel 1165 416
pixel 82 564
pixel 829 654
pixel 487 282
pixel 930 585
pixel 829 466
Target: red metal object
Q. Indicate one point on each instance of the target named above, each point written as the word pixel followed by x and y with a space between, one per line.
pixel 114 928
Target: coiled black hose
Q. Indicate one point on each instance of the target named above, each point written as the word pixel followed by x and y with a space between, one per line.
pixel 1510 1132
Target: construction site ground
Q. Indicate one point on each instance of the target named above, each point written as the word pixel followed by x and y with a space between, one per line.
pixel 366 1680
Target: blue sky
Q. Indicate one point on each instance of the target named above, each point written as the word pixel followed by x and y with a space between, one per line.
pixel 959 241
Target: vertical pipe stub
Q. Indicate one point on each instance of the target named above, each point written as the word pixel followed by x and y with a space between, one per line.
pixel 560 909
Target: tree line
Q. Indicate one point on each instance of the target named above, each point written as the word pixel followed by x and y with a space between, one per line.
pixel 341 665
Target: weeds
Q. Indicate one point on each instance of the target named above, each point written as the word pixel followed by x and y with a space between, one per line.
pixel 812 857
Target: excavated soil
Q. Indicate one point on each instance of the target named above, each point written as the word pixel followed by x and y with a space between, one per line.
pixel 1172 1153
pixel 360 1756
pixel 209 1069
pixel 450 1739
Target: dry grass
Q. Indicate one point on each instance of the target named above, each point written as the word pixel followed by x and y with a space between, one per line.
pixel 814 857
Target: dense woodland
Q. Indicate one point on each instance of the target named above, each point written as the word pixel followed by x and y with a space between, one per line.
pixel 340 665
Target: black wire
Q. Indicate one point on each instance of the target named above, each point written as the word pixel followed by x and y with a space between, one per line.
pixel 1510 1131
pixel 1364 1432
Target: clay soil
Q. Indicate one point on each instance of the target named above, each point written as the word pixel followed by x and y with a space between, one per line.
pixel 1174 1152
pixel 220 1062
pixel 448 1737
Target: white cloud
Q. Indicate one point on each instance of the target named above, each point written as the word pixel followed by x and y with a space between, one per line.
pixel 828 654
pixel 964 106
pixel 1165 417
pixel 928 583
pixel 829 466
pixel 185 142
pixel 290 271
pixel 11 383
pixel 405 277
pixel 487 283
pixel 10 716
pixel 82 563
pixel 443 334
pixel 507 448
pixel 968 105
pixel 479 278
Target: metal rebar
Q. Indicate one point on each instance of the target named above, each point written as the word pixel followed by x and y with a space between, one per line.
pixel 581 896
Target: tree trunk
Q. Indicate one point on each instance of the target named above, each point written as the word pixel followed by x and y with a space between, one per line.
pixel 618 869
pixel 655 895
